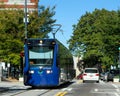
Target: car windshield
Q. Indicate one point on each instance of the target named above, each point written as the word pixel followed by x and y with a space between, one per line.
pixel 40 56
pixel 91 71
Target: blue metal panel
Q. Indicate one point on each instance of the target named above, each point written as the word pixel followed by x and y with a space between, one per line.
pixel 42 78
pixel 26 66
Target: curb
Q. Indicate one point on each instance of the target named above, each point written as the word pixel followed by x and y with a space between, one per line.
pixel 2 89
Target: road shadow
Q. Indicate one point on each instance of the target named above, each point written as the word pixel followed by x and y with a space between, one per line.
pixel 64 85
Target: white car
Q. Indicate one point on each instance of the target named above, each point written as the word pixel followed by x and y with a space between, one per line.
pixel 91 74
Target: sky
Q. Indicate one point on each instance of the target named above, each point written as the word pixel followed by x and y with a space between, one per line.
pixel 69 12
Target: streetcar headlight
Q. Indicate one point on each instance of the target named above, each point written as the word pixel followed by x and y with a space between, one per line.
pixel 48 71
pixel 31 72
pixel 41 42
pixel 53 43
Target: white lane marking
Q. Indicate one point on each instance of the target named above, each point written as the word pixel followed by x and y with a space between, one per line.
pixel 111 93
pixel 116 94
pixel 96 90
pixel 117 88
pixel 69 89
pixel 66 89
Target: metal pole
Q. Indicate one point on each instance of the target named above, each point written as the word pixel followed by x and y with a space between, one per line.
pixel 25 19
pixel 119 63
pixel 1 73
pixel 57 29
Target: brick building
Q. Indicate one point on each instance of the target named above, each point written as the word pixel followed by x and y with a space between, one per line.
pixel 18 4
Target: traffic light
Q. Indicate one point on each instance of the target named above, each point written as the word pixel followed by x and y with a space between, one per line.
pixel 21 54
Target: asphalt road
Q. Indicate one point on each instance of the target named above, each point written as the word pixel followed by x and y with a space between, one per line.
pixel 75 88
pixel 94 89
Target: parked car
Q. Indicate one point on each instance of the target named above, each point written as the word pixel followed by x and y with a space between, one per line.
pixel 91 74
pixel 115 71
pixel 111 74
pixel 80 76
pixel 108 76
pixel 102 76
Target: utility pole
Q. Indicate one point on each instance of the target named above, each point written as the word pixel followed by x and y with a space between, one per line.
pixel 25 19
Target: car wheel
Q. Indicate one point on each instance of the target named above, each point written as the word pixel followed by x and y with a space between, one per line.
pixel 97 81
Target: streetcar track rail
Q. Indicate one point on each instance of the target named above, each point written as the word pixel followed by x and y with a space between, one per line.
pixel 19 90
pixel 11 91
pixel 19 93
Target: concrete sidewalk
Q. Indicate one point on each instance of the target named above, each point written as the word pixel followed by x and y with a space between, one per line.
pixel 3 89
pixel 6 85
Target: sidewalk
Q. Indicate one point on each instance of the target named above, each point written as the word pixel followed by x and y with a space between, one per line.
pixel 2 89
pixel 5 85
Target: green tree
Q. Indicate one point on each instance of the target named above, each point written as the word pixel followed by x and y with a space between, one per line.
pixel 11 34
pixel 96 37
pixel 12 31
pixel 42 23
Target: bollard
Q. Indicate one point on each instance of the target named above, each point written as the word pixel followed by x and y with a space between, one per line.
pixel 0 73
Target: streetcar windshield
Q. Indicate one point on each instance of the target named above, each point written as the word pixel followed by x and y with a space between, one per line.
pixel 40 56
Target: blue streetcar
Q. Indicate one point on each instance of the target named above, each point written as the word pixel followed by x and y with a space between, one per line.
pixel 47 63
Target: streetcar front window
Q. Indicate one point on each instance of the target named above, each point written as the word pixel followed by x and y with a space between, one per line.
pixel 40 56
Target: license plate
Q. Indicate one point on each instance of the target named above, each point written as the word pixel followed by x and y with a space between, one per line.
pixel 91 75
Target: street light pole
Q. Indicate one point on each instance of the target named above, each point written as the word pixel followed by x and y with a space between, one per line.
pixel 25 19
